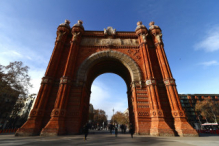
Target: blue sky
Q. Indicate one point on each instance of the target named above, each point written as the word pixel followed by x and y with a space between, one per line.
pixel 190 34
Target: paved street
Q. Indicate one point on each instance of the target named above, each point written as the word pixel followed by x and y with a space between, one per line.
pixel 104 138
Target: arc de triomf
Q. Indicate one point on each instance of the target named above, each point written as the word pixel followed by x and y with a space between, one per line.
pixel 79 56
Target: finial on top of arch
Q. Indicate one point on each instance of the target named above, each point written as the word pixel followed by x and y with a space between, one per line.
pixel 139 25
pixel 79 23
pixel 152 26
pixel 66 23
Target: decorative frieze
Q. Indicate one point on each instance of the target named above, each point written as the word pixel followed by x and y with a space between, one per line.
pixel 143 106
pixel 142 94
pixel 169 82
pixel 178 113
pixel 58 112
pixel 142 102
pixel 156 113
pixel 134 53
pixel 150 82
pixel 144 40
pixel 46 80
pixel 143 114
pixel 109 42
pixel 65 80
pixel 36 112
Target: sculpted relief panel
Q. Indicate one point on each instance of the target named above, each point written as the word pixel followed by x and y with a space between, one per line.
pixel 109 41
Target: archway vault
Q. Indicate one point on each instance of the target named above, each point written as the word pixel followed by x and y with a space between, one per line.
pixel 93 59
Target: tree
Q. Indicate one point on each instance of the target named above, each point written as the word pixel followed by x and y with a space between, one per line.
pixel 99 117
pixel 14 82
pixel 14 79
pixel 120 118
pixel 208 109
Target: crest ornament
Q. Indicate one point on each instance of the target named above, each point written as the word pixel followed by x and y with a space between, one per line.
pixel 152 26
pixel 109 31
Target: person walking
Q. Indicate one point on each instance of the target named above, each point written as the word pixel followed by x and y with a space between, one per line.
pixel 131 130
pixel 124 128
pixel 116 131
pixel 110 128
pixel 86 128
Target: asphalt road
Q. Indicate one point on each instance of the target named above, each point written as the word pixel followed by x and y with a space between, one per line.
pixel 105 138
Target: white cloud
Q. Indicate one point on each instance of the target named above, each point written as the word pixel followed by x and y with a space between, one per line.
pixel 12 53
pixel 210 42
pixel 209 63
pixel 28 57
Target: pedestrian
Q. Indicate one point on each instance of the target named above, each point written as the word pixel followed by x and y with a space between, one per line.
pixel 86 128
pixel 124 128
pixel 116 131
pixel 111 128
pixel 131 130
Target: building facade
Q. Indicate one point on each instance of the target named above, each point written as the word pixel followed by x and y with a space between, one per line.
pixel 79 56
pixel 188 102
pixel 20 112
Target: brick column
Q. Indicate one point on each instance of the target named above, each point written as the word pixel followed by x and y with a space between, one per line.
pixel 159 127
pixel 33 125
pixel 134 106
pixel 182 127
pixel 56 125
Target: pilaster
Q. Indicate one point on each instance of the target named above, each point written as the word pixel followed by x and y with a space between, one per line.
pixel 182 127
pixel 159 127
pixel 56 125
pixel 135 110
pixel 33 125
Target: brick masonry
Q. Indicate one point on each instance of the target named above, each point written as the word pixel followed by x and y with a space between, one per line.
pixel 79 56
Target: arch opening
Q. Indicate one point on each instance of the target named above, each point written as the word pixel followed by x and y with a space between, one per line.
pixel 108 92
pixel 109 62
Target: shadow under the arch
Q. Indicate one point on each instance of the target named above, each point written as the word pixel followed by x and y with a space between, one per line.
pixel 104 132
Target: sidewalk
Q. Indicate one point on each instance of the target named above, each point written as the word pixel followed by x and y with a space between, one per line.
pixel 104 138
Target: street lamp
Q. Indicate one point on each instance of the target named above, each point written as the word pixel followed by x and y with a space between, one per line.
pixel 113 115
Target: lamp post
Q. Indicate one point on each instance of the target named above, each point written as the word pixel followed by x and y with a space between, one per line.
pixel 113 115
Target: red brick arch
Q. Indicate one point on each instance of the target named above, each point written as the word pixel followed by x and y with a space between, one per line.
pixel 79 56
pixel 127 61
